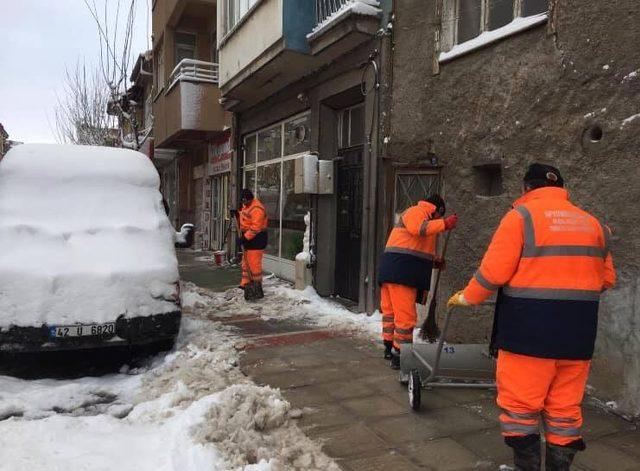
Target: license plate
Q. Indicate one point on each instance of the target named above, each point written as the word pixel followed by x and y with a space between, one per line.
pixel 82 330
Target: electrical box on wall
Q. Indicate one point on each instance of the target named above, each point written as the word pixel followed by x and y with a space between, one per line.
pixel 325 177
pixel 306 174
pixel 313 176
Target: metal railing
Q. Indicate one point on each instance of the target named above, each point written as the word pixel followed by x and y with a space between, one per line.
pixel 326 8
pixel 194 71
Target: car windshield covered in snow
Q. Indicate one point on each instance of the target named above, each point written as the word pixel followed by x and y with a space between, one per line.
pixel 86 243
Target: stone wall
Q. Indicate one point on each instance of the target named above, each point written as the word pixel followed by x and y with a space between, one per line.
pixel 559 93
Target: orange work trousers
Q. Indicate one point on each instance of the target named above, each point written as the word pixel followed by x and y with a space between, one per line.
pixel 251 264
pixel 399 315
pixel 532 389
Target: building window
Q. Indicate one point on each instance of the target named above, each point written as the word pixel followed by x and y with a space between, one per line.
pixel 467 20
pixel 185 46
pixel 268 170
pixel 351 126
pixel 487 179
pixel 413 186
pixel 235 10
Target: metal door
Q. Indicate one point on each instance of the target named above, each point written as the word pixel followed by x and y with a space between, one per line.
pixel 349 223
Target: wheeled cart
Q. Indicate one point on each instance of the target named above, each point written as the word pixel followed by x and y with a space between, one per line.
pixel 439 364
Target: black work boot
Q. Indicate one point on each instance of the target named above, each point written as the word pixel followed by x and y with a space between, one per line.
pixel 526 452
pixel 259 291
pixel 395 359
pixel 388 345
pixel 559 458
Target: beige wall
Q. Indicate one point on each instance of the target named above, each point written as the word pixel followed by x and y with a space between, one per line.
pixel 258 32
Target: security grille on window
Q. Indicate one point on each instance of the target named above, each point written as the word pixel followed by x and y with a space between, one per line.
pixel 413 187
pixel 464 20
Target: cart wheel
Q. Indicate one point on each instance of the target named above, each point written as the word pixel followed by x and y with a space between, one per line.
pixel 414 388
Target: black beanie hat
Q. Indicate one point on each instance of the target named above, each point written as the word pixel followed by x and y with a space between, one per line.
pixel 436 200
pixel 541 175
pixel 246 194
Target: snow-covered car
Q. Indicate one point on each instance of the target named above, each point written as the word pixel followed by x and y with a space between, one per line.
pixel 87 256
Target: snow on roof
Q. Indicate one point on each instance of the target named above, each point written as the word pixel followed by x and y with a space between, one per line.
pixel 352 7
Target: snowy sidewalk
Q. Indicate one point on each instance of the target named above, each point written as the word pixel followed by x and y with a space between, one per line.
pixel 327 364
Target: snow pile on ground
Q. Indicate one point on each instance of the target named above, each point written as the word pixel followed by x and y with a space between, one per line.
pixel 88 236
pixel 192 409
pixel 284 302
pixel 355 7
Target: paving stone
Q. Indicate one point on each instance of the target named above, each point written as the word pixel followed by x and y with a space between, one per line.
pixel 444 455
pixel 466 396
pixel 487 409
pixel 326 374
pixel 390 461
pixel 351 441
pixel 487 444
pixel 265 365
pixel 401 430
pixel 457 420
pixel 325 415
pixel 283 380
pixel 349 389
pixel 598 423
pixel 307 396
pixel 374 406
pixel 599 456
pixel 628 442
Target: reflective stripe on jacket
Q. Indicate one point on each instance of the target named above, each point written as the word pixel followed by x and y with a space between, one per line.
pixel 550 260
pixel 410 250
pixel 253 224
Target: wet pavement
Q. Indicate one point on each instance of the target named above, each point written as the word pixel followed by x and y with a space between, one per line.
pixel 352 402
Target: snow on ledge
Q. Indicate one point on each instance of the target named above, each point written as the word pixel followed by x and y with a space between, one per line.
pixel 488 37
pixel 353 7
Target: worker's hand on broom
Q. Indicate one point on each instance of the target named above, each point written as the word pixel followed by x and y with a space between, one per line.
pixel 457 299
pixel 439 263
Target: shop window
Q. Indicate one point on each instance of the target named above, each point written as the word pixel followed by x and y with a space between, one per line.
pixel 465 20
pixel 270 143
pixel 269 156
pixel 268 191
pixel 487 179
pixel 296 135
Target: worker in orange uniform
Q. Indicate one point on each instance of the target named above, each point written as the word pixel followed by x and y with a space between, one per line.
pixel 549 261
pixel 405 271
pixel 253 238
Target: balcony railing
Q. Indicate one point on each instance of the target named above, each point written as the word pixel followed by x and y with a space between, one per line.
pixel 326 8
pixel 194 71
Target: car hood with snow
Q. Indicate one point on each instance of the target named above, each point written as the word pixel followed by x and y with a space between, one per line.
pixel 84 237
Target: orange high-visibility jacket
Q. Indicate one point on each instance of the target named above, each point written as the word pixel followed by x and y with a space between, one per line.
pixel 550 260
pixel 410 250
pixel 253 224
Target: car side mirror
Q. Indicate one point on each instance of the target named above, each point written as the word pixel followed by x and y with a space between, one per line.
pixel 184 238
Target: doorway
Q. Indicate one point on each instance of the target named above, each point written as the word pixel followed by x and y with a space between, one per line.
pixel 219 217
pixel 349 202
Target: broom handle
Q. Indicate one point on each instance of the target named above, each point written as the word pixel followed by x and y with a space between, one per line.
pixel 444 252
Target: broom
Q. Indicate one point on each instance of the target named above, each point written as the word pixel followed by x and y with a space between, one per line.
pixel 429 330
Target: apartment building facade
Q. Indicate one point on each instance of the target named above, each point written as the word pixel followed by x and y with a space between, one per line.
pixel 483 88
pixel 190 126
pixel 305 79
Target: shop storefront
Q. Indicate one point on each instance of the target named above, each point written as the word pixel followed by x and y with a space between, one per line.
pixel 215 194
pixel 268 169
